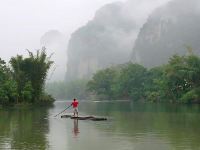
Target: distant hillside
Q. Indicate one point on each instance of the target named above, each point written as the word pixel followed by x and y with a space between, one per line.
pixel 56 43
pixel 168 30
pixel 102 42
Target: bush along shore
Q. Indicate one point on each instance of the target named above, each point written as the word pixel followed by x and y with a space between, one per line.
pixel 177 81
pixel 22 81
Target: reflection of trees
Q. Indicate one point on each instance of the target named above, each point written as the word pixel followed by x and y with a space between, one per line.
pixel 25 128
pixel 104 108
pixel 175 124
pixel 181 129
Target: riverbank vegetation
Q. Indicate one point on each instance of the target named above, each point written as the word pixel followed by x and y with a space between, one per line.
pixel 177 81
pixel 23 80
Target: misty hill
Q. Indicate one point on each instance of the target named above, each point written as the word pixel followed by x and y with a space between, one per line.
pixel 55 42
pixel 169 30
pixel 102 42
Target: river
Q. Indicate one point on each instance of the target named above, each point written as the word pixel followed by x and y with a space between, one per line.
pixel 130 126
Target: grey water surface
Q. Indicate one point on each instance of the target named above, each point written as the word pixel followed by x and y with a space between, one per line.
pixel 130 126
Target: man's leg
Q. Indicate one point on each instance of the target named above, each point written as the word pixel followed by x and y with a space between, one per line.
pixel 74 112
pixel 77 112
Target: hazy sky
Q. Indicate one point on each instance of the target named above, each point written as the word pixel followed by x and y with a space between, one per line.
pixel 23 22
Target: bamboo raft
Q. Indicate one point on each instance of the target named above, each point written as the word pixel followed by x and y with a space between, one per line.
pixel 85 118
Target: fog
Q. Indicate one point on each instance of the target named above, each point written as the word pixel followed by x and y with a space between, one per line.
pixel 24 22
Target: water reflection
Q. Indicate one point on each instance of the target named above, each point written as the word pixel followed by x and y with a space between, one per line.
pixel 75 128
pixel 150 126
pixel 131 126
pixel 23 129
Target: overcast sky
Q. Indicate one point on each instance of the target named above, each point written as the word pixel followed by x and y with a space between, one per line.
pixel 23 22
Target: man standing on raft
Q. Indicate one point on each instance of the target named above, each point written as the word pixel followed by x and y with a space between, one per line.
pixel 75 106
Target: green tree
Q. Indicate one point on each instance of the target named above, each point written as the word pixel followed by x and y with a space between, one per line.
pixel 36 69
pixel 155 85
pixel 31 70
pixel 131 81
pixel 8 89
pixel 182 77
pixel 119 82
pixel 18 74
pixel 175 72
pixel 101 83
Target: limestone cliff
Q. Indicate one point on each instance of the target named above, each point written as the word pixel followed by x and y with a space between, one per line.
pixel 168 31
pixel 56 43
pixel 102 42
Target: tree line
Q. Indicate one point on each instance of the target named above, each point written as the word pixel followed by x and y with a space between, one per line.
pixel 23 80
pixel 177 81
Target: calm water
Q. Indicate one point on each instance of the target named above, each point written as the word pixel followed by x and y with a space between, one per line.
pixel 130 126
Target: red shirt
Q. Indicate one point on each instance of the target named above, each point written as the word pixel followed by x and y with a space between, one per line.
pixel 75 104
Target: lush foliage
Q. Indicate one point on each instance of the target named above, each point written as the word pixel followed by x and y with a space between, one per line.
pixel 24 81
pixel 8 87
pixel 177 81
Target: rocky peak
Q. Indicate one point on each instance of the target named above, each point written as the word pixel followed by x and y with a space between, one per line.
pixel 167 31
